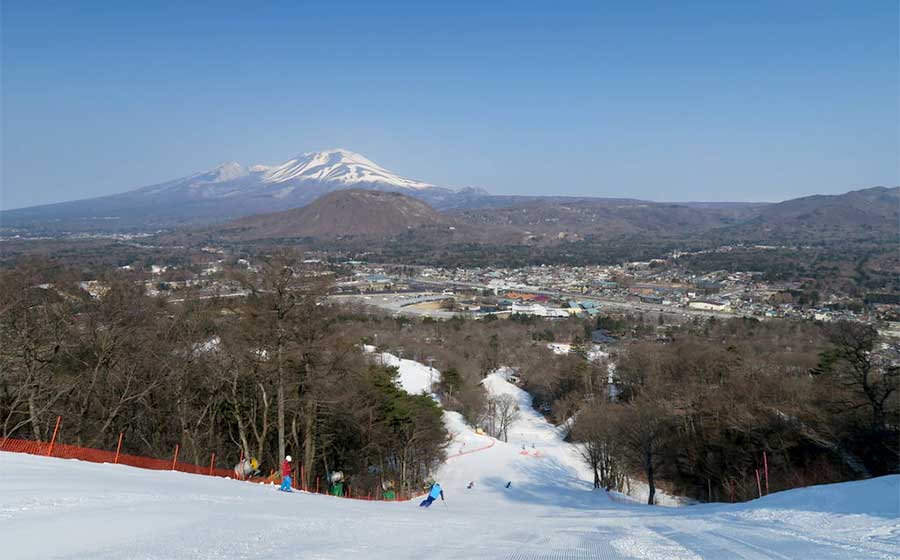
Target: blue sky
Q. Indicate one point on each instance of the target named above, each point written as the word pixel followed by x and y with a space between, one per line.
pixel 654 100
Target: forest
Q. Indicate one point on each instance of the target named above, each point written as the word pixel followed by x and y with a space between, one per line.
pixel 690 408
pixel 271 374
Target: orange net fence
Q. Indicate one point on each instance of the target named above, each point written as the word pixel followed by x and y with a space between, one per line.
pixel 65 451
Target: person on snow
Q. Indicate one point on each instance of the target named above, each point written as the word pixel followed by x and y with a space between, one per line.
pixel 247 468
pixel 286 475
pixel 433 494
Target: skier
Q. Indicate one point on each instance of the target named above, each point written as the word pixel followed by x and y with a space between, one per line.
pixel 247 468
pixel 433 494
pixel 335 481
pixel 286 475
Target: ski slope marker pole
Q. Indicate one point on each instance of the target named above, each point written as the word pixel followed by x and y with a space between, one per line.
pixel 766 466
pixel 317 485
pixel 119 448
pixel 758 486
pixel 212 461
pixel 53 439
pixel 240 462
pixel 175 457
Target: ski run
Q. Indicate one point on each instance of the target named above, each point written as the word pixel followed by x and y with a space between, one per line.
pixel 531 499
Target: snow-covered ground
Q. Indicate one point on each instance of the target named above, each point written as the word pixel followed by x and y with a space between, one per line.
pixel 54 508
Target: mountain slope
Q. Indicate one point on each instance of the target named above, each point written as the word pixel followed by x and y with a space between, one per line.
pixel 868 213
pixel 343 213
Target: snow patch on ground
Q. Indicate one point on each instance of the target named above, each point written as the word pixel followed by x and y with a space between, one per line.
pixel 415 378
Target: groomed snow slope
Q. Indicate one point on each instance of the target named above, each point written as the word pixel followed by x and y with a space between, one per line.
pixel 54 508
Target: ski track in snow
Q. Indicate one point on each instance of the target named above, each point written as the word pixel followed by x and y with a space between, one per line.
pixel 55 508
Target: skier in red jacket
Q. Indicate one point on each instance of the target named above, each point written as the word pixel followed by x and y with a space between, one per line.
pixel 286 475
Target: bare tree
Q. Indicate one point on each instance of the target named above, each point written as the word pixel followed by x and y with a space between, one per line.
pixel 594 432
pixel 644 429
pixel 854 366
pixel 503 410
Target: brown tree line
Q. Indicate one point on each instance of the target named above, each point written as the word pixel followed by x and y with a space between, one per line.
pixel 271 374
pixel 697 413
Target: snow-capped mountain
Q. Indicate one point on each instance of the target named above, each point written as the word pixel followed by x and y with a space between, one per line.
pixel 337 166
pixel 232 190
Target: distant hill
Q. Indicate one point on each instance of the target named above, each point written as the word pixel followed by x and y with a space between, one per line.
pixel 356 213
pixel 601 216
pixel 343 213
pixel 867 213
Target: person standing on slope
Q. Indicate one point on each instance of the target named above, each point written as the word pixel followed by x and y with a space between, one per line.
pixel 433 495
pixel 286 475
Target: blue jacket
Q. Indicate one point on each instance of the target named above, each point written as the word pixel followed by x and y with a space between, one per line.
pixel 436 491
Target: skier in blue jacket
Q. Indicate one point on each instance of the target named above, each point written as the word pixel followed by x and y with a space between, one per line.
pixel 433 494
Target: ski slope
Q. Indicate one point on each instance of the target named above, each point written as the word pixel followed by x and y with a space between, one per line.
pixel 55 508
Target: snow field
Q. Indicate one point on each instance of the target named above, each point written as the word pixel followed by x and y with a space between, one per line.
pixel 55 508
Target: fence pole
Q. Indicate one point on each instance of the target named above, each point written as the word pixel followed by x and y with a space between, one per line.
pixel 212 461
pixel 175 458
pixel 766 466
pixel 53 439
pixel 118 447
pixel 758 486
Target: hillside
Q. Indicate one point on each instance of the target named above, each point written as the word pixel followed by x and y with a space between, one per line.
pixel 344 213
pixel 601 216
pixel 867 213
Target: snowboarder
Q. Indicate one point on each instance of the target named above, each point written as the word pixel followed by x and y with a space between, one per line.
pixel 286 475
pixel 247 468
pixel 435 492
pixel 471 485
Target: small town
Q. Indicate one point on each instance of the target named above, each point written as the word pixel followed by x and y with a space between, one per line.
pixel 553 291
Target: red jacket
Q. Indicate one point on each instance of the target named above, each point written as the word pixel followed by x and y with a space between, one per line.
pixel 285 468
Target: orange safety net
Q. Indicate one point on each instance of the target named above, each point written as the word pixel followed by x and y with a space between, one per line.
pixel 65 451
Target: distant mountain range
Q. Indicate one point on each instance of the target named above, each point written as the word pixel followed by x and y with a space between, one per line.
pixel 355 197
pixel 228 192
pixel 357 214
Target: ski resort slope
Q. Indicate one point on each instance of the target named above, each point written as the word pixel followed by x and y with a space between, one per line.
pixel 55 508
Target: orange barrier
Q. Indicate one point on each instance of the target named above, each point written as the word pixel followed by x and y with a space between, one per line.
pixel 65 451
pixel 470 451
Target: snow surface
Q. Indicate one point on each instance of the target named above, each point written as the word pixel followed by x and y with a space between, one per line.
pixel 55 508
pixel 337 166
pixel 415 378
